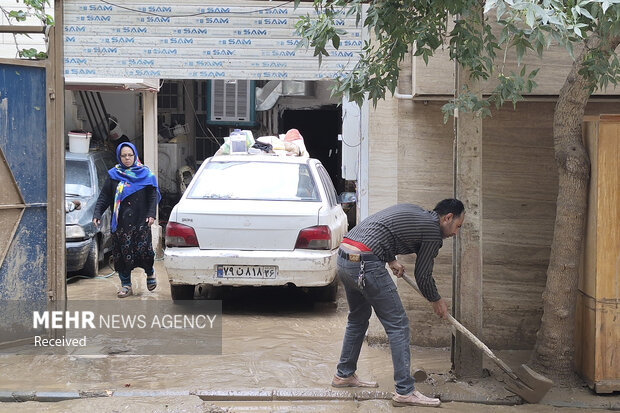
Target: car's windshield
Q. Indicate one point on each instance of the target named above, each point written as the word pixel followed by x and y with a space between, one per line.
pixel 255 181
pixel 77 178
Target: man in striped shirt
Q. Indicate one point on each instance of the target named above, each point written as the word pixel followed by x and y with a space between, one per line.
pixel 398 230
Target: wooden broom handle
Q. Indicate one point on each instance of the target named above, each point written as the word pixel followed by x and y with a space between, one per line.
pixel 468 334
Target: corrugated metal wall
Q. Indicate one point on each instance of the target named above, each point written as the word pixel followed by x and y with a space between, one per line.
pixel 197 40
pixel 23 198
pixel 23 203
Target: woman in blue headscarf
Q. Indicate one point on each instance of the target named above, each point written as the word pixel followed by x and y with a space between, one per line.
pixel 132 193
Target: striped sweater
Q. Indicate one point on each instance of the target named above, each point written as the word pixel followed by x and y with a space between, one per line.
pixel 404 229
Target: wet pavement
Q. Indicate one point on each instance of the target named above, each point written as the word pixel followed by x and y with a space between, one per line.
pixel 279 351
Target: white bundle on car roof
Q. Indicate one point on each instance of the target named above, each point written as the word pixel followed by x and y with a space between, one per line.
pixel 289 144
pixel 295 141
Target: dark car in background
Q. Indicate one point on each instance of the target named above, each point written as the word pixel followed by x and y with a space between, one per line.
pixel 85 174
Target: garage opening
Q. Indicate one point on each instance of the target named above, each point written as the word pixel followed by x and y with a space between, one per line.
pixel 320 129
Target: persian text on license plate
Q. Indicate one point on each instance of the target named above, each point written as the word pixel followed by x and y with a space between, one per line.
pixel 247 271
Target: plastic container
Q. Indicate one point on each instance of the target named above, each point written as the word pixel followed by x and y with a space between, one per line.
pixel 79 141
pixel 238 142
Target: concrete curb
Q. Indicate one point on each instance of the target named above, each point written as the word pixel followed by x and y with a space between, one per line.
pixel 264 395
pixel 290 395
pixel 206 395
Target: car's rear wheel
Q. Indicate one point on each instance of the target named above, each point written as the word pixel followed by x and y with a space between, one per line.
pixel 327 293
pixel 182 292
pixel 91 267
pixel 210 292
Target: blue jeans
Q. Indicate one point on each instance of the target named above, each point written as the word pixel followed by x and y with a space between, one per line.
pixel 380 294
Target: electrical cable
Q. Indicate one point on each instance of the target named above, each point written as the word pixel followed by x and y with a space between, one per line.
pixel 196 117
pixel 97 276
pixel 192 14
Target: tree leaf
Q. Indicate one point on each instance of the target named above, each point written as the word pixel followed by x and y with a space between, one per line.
pixel 336 41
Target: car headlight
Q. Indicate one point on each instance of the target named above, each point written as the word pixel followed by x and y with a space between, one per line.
pixel 74 232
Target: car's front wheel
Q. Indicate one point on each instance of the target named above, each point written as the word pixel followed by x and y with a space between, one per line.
pixel 91 267
pixel 182 292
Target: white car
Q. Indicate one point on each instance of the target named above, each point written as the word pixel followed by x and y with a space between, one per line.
pixel 255 220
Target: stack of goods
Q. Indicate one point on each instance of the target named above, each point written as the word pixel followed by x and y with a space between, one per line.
pixel 242 141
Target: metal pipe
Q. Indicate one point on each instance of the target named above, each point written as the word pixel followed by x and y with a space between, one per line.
pixel 31 205
pixel 105 114
pixel 86 110
pixel 398 95
pixel 96 116
pixel 100 119
pixel 22 29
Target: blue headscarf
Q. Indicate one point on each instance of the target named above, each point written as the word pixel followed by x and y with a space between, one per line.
pixel 130 180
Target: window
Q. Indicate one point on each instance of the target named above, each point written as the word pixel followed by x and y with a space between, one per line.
pixel 329 186
pixel 269 181
pixel 78 178
pixel 200 114
pixel 168 96
pixel 102 172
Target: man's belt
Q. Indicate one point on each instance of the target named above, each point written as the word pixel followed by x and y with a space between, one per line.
pixel 362 256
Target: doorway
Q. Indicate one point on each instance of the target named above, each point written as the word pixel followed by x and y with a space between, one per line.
pixel 320 129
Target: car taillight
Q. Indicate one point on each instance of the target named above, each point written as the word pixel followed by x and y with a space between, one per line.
pixel 314 238
pixel 179 235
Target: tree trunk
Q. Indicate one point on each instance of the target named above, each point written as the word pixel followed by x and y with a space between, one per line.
pixel 554 350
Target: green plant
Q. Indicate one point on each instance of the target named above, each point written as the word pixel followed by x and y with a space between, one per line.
pixel 589 30
pixel 32 9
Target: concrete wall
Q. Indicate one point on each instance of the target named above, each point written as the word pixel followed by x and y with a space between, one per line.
pixel 519 187
pixel 519 193
pixel 430 79
pixel 383 156
pixel 124 105
pixel 425 175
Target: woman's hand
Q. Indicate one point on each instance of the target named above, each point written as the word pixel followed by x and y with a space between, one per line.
pixel 96 222
pixel 149 221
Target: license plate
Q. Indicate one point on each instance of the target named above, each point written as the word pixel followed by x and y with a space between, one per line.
pixel 247 271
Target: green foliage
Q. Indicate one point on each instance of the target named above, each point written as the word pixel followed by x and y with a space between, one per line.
pixel 18 15
pixel 36 9
pixel 465 29
pixel 32 54
pixel 466 101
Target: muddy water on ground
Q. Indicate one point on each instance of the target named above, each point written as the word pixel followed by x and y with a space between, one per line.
pixel 272 339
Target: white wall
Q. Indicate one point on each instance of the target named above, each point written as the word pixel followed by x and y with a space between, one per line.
pixel 124 106
pixel 8 47
pixel 71 113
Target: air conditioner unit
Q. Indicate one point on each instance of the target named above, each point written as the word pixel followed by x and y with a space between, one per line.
pixel 231 102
